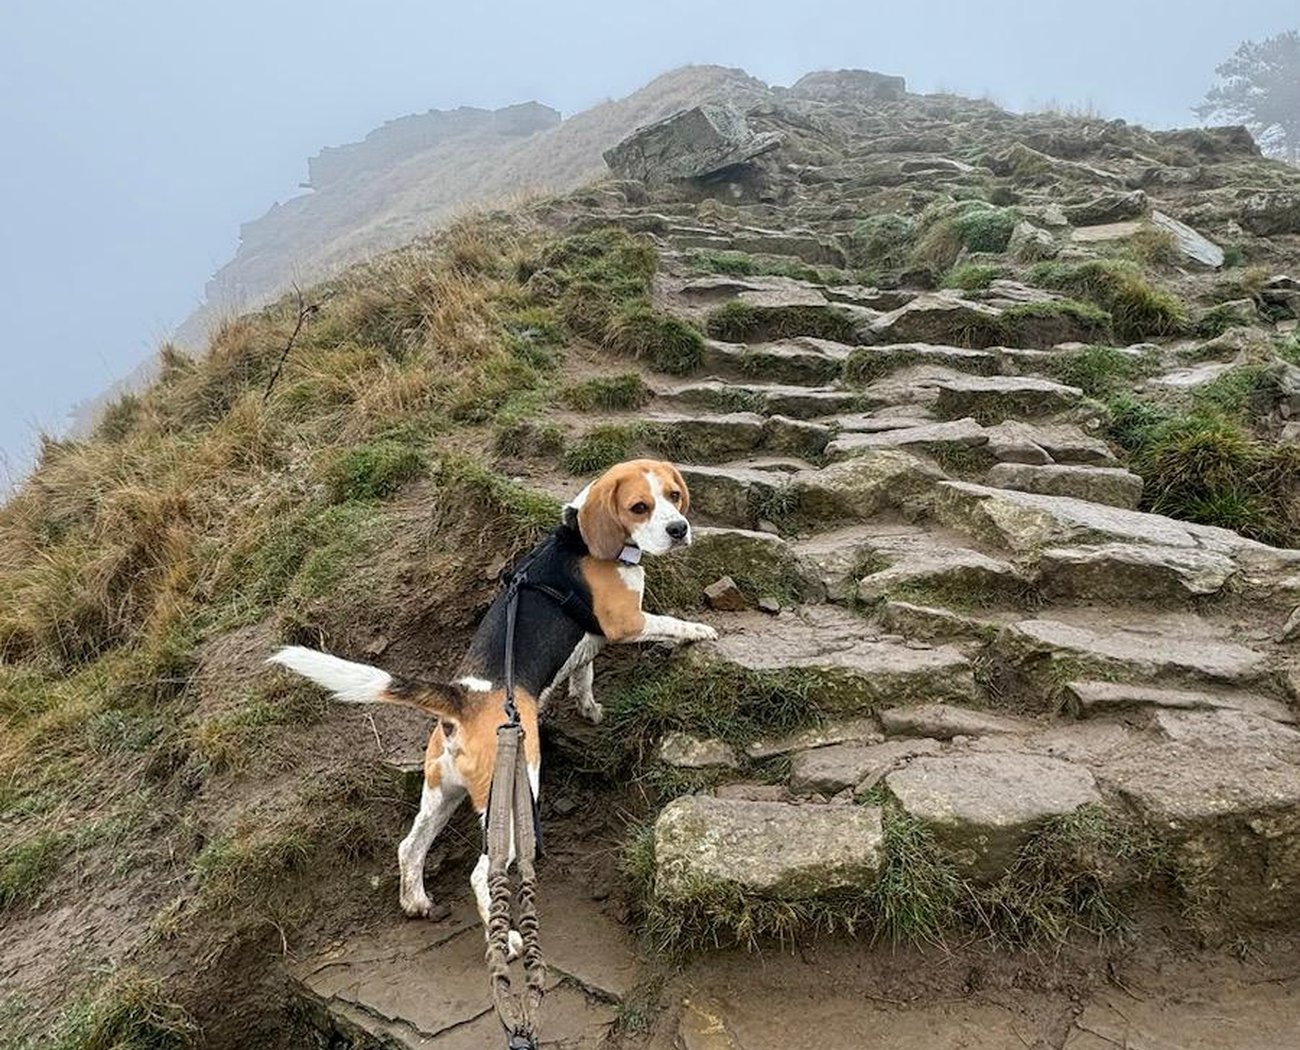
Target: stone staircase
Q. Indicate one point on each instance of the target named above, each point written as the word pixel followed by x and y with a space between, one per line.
pixel 992 635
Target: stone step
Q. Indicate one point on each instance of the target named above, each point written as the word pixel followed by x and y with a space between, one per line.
pixel 828 734
pixel 1024 521
pixel 836 655
pixel 983 807
pixel 946 722
pixel 761 565
pixel 706 438
pixel 1113 486
pixel 799 402
pixel 1032 655
pixel 995 399
pixel 945 576
pixel 869 363
pixel 758 290
pixel 829 770
pixel 1091 699
pixel 736 493
pixel 802 360
pixel 707 847
pixel 1041 443
pixel 1130 573
pixel 961 437
pixel 862 487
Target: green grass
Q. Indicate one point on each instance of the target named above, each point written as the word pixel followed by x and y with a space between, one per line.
pixel 971 277
pixel 1138 309
pixel 666 343
pixel 600 448
pixel 1242 393
pixel 608 393
pixel 739 322
pixel 1049 323
pixel 1101 372
pixel 1080 874
pixel 375 470
pixel 25 869
pixel 131 1012
pixel 883 242
pixel 949 229
pixel 593 275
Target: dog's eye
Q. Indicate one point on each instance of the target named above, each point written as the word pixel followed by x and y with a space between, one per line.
pixel 676 497
pixel 639 508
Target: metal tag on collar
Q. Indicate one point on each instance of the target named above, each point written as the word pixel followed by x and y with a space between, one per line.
pixel 630 555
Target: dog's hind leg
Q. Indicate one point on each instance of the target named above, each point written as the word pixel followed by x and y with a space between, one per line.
pixel 581 688
pixel 441 794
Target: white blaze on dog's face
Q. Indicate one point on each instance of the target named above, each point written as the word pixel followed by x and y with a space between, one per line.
pixel 642 503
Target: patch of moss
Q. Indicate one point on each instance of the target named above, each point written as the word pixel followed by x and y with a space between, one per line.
pixel 883 242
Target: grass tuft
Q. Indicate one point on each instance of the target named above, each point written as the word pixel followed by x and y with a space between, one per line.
pixel 667 343
pixel 1139 309
pixel 739 322
pixel 25 868
pixel 131 1012
pixel 608 393
pixel 374 471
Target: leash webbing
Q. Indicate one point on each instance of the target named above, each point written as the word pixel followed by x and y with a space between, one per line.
pixel 511 802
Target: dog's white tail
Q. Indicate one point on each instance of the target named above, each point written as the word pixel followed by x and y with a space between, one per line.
pixel 349 682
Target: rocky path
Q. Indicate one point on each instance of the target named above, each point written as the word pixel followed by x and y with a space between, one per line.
pixel 939 540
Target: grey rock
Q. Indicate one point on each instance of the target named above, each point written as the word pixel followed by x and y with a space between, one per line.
pixel 1102 698
pixel 684 751
pixel 732 494
pixel 711 439
pixel 950 572
pixel 1110 485
pixel 861 487
pixel 1190 243
pixel 836 731
pixel 960 433
pixel 983 807
pixel 858 766
pixel 804 359
pixel 724 596
pixel 1131 572
pixel 1030 243
pixel 689 144
pixel 935 318
pixel 849 85
pixel 771 848
pixel 994 399
pixel 944 721
pixel 1107 207
pixel 1271 212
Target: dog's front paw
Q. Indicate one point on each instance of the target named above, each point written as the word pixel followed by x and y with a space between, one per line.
pixel 591 711
pixel 417 907
pixel 700 632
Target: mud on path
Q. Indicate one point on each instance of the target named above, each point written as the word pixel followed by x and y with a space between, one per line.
pixel 402 983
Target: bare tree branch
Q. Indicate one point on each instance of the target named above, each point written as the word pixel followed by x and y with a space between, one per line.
pixel 305 310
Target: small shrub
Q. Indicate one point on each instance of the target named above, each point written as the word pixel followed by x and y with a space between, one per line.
pixel 668 343
pixel 1138 309
pixel 986 229
pixel 374 471
pixel 971 277
pixel 1234 255
pixel 1241 393
pixel 610 393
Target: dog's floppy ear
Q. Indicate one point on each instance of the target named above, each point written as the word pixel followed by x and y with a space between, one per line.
pixel 598 520
pixel 680 482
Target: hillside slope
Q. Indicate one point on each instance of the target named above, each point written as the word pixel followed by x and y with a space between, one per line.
pixel 1007 487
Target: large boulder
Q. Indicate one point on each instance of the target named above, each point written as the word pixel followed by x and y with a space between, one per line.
pixel 1271 212
pixel 772 849
pixel 862 487
pixel 694 143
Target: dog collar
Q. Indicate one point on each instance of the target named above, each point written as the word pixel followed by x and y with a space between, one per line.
pixel 630 555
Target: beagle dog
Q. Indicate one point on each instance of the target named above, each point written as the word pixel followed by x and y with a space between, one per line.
pixel 585 588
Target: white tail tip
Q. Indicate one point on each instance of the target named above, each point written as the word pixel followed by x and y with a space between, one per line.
pixel 350 682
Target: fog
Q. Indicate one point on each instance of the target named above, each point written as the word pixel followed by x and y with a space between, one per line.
pixel 138 135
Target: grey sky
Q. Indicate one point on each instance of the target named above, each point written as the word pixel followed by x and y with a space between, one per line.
pixel 138 134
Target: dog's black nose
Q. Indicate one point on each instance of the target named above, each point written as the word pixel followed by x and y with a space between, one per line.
pixel 677 529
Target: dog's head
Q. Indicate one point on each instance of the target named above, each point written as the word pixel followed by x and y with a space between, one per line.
pixel 641 504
